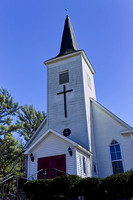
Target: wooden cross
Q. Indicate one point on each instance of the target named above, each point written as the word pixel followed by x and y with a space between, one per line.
pixel 64 92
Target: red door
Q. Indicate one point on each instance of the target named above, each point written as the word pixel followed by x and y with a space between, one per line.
pixel 53 166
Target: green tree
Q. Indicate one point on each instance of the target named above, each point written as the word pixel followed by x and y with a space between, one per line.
pixel 11 155
pixel 7 109
pixel 28 121
pixel 13 118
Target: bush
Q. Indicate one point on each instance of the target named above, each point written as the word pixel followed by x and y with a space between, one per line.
pixel 21 183
pixel 38 189
pixel 64 185
pixel 115 186
pixel 88 187
pixel 118 186
pixel 130 184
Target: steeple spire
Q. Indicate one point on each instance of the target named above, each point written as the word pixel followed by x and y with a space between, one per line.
pixel 68 44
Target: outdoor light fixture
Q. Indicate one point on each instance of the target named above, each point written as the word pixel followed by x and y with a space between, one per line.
pixel 32 157
pixel 70 151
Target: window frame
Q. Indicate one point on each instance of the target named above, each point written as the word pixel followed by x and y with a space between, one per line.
pixel 89 81
pixel 66 80
pixel 116 159
pixel 84 165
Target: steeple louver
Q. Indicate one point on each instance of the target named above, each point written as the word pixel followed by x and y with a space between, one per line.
pixel 68 44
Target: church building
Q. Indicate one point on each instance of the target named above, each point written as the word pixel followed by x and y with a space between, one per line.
pixel 79 135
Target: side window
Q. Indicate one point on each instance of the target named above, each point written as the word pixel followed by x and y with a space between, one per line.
pixel 116 157
pixel 64 77
pixel 84 165
pixel 88 81
pixel 95 169
pixel 26 166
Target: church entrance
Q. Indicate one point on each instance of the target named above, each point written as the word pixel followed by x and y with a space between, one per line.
pixel 52 166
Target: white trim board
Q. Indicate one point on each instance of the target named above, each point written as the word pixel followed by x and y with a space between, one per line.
pixel 28 151
pixel 111 114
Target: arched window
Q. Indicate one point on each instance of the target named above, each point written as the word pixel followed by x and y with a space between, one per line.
pixel 116 157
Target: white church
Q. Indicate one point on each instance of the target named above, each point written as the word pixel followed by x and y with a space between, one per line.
pixel 79 136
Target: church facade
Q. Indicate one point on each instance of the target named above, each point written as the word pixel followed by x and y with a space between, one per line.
pixel 79 136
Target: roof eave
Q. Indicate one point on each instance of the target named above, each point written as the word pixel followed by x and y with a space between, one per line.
pixel 111 114
pixel 59 58
pixel 127 132
pixel 76 145
pixel 84 150
pixel 79 52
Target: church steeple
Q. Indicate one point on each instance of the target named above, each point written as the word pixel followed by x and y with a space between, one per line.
pixel 68 44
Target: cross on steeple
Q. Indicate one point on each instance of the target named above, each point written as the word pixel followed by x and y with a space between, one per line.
pixel 64 92
pixel 66 9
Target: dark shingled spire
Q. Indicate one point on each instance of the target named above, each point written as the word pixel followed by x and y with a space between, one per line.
pixel 68 44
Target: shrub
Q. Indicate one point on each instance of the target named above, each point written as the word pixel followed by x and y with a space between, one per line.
pixel 63 185
pixel 130 184
pixel 38 189
pixel 118 186
pixel 88 187
pixel 21 183
pixel 115 186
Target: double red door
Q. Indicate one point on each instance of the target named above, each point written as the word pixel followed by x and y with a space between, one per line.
pixel 52 166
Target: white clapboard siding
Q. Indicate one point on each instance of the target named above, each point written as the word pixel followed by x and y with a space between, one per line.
pixel 108 127
pixel 53 145
pixel 80 171
pixel 78 110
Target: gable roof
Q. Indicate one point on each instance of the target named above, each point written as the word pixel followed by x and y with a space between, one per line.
pixel 43 137
pixel 111 114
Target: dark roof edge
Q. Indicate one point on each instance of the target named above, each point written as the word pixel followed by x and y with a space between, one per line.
pixel 82 52
pixel 68 43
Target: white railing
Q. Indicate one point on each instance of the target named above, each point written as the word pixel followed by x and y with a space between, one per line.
pixel 6 176
pixel 12 177
pixel 6 179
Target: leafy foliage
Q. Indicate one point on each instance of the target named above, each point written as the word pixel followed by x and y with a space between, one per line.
pixel 28 121
pixel 11 155
pixel 116 186
pixel 38 189
pixel 50 189
pixel 7 109
pixel 130 184
pixel 88 187
pixel 64 185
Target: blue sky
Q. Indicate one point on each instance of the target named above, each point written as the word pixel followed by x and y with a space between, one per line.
pixel 31 31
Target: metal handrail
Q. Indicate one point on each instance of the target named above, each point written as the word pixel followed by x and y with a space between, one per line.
pixel 3 183
pixel 11 176
pixel 6 176
pixel 46 170
pixel 35 174
pixel 7 179
pixel 60 171
pixel 55 170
